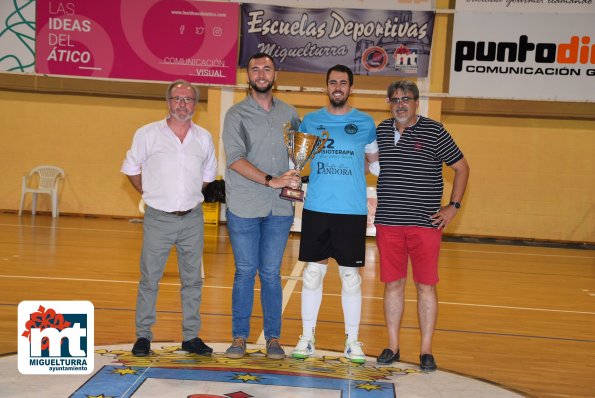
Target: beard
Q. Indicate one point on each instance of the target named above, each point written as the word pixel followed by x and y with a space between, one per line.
pixel 403 117
pixel 180 117
pixel 264 89
pixel 338 102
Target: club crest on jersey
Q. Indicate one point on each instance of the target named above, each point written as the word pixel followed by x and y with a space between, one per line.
pixel 351 129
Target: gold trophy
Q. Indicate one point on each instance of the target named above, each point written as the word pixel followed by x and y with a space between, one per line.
pixel 301 147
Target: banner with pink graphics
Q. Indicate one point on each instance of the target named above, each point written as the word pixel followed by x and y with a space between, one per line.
pixel 159 40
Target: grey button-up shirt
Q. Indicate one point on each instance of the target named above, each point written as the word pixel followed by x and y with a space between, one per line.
pixel 251 133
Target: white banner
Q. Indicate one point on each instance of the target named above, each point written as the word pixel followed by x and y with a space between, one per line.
pixel 524 56
pixel 530 6
pixel 17 36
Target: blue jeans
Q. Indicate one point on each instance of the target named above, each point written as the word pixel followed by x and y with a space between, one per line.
pixel 258 245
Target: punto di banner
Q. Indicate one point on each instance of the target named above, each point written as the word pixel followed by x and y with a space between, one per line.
pixel 370 42
pixel 537 57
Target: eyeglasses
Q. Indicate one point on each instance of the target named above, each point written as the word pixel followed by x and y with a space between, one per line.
pixel 404 100
pixel 186 100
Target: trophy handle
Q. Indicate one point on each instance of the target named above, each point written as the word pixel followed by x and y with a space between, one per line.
pixel 320 146
pixel 286 133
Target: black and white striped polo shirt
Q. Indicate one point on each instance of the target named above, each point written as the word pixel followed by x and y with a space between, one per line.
pixel 410 184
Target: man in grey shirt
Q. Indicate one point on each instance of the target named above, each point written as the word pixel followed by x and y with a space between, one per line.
pixel 257 219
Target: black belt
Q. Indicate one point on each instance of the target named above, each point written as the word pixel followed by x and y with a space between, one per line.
pixel 179 213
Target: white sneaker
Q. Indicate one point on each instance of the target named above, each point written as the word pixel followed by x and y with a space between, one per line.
pixel 304 348
pixel 354 352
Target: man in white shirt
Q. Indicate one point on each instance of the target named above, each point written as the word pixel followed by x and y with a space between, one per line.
pixel 169 163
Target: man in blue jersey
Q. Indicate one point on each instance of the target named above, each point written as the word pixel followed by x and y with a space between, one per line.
pixel 409 216
pixel 335 210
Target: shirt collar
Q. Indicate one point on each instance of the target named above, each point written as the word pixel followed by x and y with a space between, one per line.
pixel 252 102
pixel 164 126
pixel 412 127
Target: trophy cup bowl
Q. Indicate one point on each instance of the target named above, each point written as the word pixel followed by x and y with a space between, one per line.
pixel 301 148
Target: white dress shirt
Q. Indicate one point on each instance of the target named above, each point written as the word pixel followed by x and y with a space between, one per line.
pixel 172 171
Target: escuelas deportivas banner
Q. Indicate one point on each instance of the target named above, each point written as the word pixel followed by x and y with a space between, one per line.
pixel 370 42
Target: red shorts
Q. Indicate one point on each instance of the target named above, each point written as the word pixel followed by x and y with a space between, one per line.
pixel 396 244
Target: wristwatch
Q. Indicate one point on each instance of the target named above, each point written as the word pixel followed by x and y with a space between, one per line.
pixel 456 205
pixel 267 179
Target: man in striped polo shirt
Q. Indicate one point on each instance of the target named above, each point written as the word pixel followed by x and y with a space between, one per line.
pixel 410 218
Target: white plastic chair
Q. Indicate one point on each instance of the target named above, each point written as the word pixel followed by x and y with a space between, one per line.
pixel 141 209
pixel 47 183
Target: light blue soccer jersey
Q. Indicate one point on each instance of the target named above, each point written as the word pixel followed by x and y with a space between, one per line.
pixel 337 178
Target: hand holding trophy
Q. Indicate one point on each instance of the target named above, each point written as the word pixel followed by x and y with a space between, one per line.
pixel 301 147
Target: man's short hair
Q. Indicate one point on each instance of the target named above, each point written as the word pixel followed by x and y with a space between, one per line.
pixel 259 56
pixel 405 86
pixel 343 69
pixel 183 83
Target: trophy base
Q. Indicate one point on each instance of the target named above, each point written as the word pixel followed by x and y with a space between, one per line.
pixel 295 195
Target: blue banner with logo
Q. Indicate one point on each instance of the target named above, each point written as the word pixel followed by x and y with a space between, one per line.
pixel 370 42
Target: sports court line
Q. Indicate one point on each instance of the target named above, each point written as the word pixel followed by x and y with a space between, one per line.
pixel 219 236
pixel 290 287
pixel 482 305
pixel 530 336
pixel 100 280
pixel 223 236
pixel 341 322
pixel 71 228
pixel 515 253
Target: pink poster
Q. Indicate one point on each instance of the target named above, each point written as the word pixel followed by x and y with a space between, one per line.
pixel 161 40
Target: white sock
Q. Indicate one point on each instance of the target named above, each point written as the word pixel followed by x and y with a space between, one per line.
pixel 308 332
pixel 311 300
pixel 351 337
pixel 352 312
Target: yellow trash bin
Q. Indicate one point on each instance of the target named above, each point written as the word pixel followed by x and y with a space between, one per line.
pixel 211 213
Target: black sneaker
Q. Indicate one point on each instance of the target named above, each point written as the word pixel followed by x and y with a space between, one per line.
pixel 427 363
pixel 196 346
pixel 142 347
